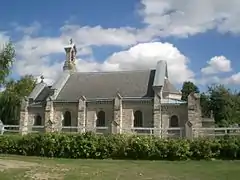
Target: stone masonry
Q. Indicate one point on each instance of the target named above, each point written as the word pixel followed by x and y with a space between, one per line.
pixel 81 118
pixel 157 123
pixel 128 101
pixel 24 116
pixel 117 116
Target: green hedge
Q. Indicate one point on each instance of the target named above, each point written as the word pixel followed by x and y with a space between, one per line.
pixel 89 145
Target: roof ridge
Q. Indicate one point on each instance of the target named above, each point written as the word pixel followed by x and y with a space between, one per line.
pixel 109 72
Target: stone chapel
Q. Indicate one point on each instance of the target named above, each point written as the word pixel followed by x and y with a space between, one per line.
pixel 108 102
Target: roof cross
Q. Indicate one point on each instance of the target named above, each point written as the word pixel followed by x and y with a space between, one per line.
pixel 42 78
pixel 71 41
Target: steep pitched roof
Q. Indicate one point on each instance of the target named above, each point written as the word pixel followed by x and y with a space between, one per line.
pixel 107 84
pixel 93 85
pixel 37 90
pixel 169 87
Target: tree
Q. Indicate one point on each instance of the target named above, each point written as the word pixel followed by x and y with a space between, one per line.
pixel 187 88
pixel 225 105
pixel 22 87
pixel 11 97
pixel 7 55
pixel 205 105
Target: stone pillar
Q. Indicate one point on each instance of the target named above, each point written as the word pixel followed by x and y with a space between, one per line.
pixel 81 120
pixel 188 130
pixel 116 125
pixel 50 124
pixel 157 119
pixel 194 111
pixel 165 124
pixel 23 128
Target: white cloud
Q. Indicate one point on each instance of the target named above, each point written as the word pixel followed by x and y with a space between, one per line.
pixel 217 64
pixel 189 17
pixel 146 55
pixel 210 80
pixel 99 36
pixel 141 56
pixel 123 36
pixel 162 18
pixel 3 39
pixel 28 30
pixel 34 54
pixel 39 66
pixel 233 79
pixel 215 71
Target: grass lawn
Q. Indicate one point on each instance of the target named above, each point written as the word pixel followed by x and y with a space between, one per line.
pixel 23 168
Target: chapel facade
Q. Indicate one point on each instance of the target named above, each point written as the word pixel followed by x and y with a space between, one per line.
pixel 109 102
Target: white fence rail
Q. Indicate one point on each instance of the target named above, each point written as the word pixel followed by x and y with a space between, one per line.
pixel 75 129
pixel 210 132
pixel 162 132
pixel 9 128
pixel 170 132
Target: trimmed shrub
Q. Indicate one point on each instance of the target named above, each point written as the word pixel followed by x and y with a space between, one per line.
pixel 205 148
pixel 90 145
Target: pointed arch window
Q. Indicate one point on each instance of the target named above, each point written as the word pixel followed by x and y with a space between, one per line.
pixel 101 121
pixel 174 121
pixel 38 120
pixel 138 119
pixel 67 118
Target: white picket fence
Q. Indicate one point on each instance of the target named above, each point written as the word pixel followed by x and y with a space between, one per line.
pixel 9 128
pixel 163 132
pixel 216 131
pixel 169 132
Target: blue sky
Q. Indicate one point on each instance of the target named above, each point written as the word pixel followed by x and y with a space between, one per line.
pixel 198 39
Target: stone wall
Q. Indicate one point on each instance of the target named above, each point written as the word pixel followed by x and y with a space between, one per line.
pixel 24 116
pixel 118 113
pixel 157 112
pixel 194 114
pixel 33 112
pixel 116 124
pixel 61 108
pixel 169 110
pixel 129 107
pixel 93 108
pixel 82 117
pixel 194 110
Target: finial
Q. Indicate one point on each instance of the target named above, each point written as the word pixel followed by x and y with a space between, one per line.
pixel 71 41
pixel 42 78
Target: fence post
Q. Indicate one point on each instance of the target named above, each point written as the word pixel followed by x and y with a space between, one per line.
pixel 1 127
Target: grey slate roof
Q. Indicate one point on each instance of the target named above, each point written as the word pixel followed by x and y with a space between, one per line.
pixel 37 90
pixel 169 87
pixel 107 84
pixel 42 96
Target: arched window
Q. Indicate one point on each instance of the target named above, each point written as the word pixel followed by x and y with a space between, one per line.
pixel 38 120
pixel 67 119
pixel 101 122
pixel 138 119
pixel 174 121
